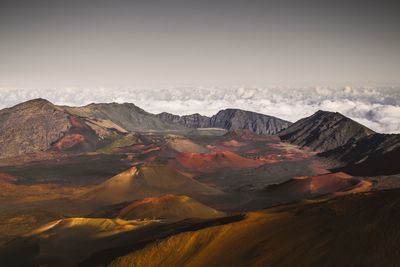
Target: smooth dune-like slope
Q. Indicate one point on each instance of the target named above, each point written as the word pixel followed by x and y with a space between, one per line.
pixel 146 181
pixel 169 207
pixel 355 230
pixel 67 242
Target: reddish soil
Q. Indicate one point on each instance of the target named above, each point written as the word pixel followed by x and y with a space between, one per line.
pixel 215 161
pixel 77 123
pixel 69 141
pixel 233 143
pixel 308 186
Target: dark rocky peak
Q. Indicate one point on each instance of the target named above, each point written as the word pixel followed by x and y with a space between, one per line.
pixel 324 131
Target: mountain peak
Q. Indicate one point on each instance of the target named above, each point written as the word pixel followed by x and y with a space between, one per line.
pixel 35 102
pixel 324 130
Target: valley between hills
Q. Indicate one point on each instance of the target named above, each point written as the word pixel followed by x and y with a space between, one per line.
pixel 113 185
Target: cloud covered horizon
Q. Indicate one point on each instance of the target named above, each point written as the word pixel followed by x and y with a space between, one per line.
pixel 376 108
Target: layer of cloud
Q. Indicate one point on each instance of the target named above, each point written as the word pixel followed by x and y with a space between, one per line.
pixel 377 108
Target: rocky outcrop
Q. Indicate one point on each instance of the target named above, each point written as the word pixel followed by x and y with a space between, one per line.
pixel 230 119
pixel 192 121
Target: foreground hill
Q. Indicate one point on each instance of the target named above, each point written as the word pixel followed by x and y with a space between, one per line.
pixel 356 230
pixel 324 131
pixel 81 241
pixel 230 119
pixel 66 242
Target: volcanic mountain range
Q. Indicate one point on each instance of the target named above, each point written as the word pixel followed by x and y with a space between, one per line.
pixel 114 185
pixel 38 125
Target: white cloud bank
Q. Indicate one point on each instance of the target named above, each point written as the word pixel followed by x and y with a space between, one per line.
pixel 377 108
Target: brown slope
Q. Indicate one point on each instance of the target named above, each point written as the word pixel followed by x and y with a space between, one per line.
pixel 146 181
pixel 324 131
pixel 355 230
pixel 169 207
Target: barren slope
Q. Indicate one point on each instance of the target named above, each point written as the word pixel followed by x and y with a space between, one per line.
pixel 356 230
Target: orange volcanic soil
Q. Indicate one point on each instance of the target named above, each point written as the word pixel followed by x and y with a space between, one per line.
pixel 69 141
pixel 170 207
pixel 77 123
pixel 283 152
pixel 332 183
pixel 356 230
pixel 214 161
pixel 232 143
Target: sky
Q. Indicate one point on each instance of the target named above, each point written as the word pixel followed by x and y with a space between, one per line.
pixel 195 43
pixel 278 57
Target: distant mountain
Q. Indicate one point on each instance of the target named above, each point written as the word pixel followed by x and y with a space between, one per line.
pixel 126 115
pixel 192 121
pixel 376 154
pixel 230 119
pixel 38 125
pixel 324 131
pixel 31 126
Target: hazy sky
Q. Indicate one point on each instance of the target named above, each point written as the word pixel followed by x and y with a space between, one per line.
pixel 122 43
